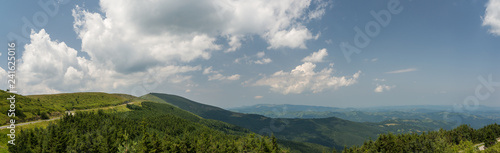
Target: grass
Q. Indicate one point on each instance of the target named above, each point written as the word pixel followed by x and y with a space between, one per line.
pixel 75 101
pixel 30 108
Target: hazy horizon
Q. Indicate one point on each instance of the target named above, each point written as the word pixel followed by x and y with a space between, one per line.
pixel 336 53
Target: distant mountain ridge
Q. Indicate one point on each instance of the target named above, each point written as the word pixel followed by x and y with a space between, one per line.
pixel 444 116
pixel 287 107
pixel 330 131
pixel 425 108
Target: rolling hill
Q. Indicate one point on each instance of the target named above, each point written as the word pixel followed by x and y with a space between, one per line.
pixel 127 107
pixel 330 132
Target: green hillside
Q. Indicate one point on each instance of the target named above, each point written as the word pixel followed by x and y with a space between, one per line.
pixel 121 108
pixel 330 132
pixel 35 107
pixel 221 115
pixel 150 109
pixel 85 100
pixel 26 109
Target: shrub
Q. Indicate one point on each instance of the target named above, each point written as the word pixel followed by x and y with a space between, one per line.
pixel 44 116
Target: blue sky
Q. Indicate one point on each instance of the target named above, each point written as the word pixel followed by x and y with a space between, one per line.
pixel 235 53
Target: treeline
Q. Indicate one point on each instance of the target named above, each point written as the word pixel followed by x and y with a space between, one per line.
pixel 105 132
pixel 461 138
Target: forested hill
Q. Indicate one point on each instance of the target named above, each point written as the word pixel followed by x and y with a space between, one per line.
pixel 461 139
pixel 330 132
pixel 150 127
pixel 132 124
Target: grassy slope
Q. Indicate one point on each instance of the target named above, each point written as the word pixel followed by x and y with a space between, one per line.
pixel 86 100
pixel 31 107
pixel 331 132
pixel 24 107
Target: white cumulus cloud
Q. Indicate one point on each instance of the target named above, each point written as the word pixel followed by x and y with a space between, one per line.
pixel 316 56
pixel 304 78
pixel 263 61
pixel 261 54
pixel 251 59
pixel 3 76
pixel 492 16
pixel 141 34
pixel 117 41
pixel 293 38
pixel 129 41
pixel 216 75
pixel 382 88
pixel 49 66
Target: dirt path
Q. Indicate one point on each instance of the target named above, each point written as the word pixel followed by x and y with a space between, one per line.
pixel 26 123
pixel 481 145
pixel 71 112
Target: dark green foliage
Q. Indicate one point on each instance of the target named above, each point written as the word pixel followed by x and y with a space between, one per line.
pixel 329 132
pixel 152 109
pixel 103 132
pixel 133 107
pixel 302 146
pixel 432 141
pixel 44 116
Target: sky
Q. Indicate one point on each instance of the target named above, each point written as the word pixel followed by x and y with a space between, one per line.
pixel 228 53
